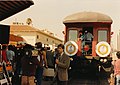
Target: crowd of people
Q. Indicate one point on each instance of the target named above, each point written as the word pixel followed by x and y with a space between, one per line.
pixel 28 63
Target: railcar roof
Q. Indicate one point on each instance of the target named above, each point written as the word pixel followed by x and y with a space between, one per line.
pixel 87 17
pixel 11 7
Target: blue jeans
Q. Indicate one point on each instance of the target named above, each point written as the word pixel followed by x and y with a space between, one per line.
pixel 39 75
pixel 118 80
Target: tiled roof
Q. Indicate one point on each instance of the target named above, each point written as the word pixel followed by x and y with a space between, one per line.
pixel 15 38
pixel 22 28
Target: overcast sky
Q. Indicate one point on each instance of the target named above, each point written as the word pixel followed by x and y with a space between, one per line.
pixel 49 14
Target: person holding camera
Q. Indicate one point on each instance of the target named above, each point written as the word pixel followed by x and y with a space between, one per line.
pixel 29 64
pixel 43 62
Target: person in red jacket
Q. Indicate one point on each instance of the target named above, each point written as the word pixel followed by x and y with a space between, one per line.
pixel 4 55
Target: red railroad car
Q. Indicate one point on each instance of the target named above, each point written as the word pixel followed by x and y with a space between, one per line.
pixel 87 42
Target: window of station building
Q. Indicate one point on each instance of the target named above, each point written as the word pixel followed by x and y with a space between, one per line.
pixel 37 36
pixel 47 39
pixel 53 41
pixel 102 35
pixel 72 35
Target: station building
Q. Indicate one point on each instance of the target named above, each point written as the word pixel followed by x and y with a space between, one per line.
pixel 32 35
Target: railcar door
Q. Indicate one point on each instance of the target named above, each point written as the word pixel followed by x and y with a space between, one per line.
pixel 87 40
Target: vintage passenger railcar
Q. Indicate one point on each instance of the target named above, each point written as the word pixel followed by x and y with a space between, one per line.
pixel 87 42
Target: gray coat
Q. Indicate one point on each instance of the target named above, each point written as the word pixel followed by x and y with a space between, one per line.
pixel 62 67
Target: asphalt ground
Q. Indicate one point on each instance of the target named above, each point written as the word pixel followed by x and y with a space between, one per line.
pixel 81 82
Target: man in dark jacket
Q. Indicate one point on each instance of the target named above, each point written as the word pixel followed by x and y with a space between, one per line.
pixel 29 64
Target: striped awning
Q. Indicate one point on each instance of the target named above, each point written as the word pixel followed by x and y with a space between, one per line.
pixel 11 7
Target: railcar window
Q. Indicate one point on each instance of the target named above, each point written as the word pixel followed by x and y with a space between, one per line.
pixel 73 35
pixel 102 35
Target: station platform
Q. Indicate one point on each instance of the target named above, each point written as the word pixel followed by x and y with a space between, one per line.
pixel 82 82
